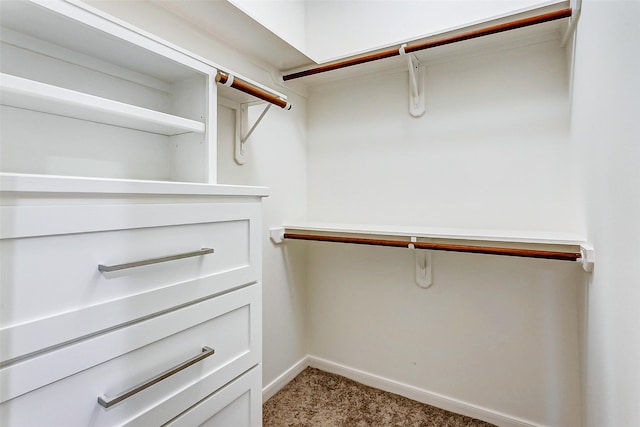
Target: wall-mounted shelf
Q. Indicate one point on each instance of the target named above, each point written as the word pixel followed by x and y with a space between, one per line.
pixel 531 244
pixel 32 95
pixel 28 183
pixel 545 23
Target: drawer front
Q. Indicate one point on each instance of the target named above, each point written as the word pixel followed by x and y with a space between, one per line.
pixel 238 404
pixel 54 292
pixel 74 376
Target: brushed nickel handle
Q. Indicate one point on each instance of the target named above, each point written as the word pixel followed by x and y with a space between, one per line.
pixel 110 401
pixel 108 268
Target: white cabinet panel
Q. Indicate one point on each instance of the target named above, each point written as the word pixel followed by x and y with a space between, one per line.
pixel 119 360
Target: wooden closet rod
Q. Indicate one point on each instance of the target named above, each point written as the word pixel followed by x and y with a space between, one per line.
pixel 494 29
pixel 229 80
pixel 527 253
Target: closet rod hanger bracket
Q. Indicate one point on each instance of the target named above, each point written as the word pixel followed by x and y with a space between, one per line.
pixel 587 257
pixel 276 234
pixel 571 28
pixel 244 132
pixel 416 83
pixel 424 267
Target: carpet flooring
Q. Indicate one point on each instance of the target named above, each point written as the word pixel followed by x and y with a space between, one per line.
pixel 317 398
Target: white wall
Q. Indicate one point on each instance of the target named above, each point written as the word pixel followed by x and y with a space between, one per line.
pixel 276 157
pixel 285 18
pixel 606 130
pixel 492 151
pixel 277 160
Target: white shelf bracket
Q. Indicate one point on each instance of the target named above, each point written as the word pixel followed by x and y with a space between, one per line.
pixel 424 271
pixel 244 132
pixel 587 257
pixel 276 234
pixel 576 6
pixel 416 84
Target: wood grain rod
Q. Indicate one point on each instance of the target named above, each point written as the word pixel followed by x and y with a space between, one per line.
pixel 527 253
pixel 252 90
pixel 494 29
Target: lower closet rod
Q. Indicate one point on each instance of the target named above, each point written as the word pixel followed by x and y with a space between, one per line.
pixel 527 253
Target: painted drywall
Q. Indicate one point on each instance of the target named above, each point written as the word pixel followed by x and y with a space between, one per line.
pixel 277 159
pixel 606 132
pixel 492 151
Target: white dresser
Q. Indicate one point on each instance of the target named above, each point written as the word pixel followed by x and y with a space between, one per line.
pixel 130 283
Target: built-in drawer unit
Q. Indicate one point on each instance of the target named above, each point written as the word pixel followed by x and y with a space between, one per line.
pixel 102 266
pixel 110 378
pixel 130 282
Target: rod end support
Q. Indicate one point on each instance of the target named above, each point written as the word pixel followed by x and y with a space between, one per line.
pixel 276 234
pixel 587 257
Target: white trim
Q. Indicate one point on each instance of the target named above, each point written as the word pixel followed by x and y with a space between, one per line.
pixel 276 385
pixel 420 395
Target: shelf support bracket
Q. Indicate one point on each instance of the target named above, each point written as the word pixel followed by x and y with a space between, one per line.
pixel 276 234
pixel 576 6
pixel 587 257
pixel 244 132
pixel 416 84
pixel 424 266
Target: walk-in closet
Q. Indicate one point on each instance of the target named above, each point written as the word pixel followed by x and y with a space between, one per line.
pixel 314 212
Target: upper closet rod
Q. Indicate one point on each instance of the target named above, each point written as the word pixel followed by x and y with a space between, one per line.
pixel 229 80
pixel 520 23
pixel 527 253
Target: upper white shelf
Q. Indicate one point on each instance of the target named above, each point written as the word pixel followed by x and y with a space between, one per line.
pixel 534 244
pixel 469 39
pixel 45 98
pixel 477 235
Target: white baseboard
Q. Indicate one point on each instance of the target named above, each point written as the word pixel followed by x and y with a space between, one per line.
pixel 276 385
pixel 418 394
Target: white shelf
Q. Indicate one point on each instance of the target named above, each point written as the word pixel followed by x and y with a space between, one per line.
pixel 493 239
pixel 27 183
pixel 477 235
pixel 32 95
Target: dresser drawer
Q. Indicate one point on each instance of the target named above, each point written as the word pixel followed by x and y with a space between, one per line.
pixel 74 376
pixel 238 404
pixel 55 293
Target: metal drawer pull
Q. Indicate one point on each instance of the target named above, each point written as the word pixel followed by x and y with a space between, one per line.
pixel 107 268
pixel 107 402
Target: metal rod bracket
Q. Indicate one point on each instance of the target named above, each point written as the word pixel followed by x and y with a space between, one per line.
pixel 416 86
pixel 243 132
pixel 424 267
pixel 276 235
pixel 587 257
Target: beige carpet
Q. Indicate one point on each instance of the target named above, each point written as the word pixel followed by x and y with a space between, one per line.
pixel 317 398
